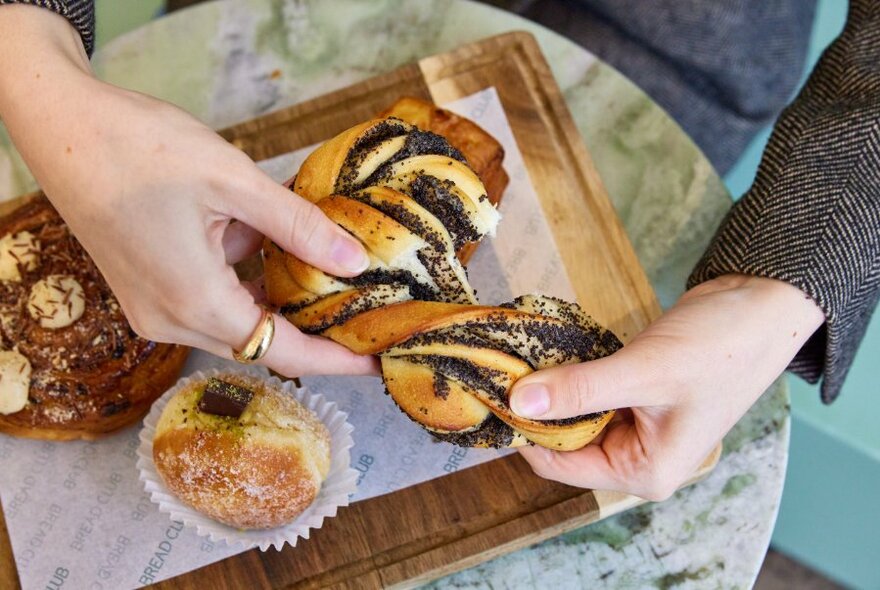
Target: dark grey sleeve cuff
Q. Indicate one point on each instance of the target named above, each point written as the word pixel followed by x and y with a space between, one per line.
pixel 812 217
pixel 80 13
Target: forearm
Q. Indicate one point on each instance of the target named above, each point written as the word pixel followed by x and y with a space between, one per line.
pixel 34 43
pixel 46 92
pixel 79 13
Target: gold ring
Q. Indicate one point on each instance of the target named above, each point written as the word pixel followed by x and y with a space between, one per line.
pixel 259 341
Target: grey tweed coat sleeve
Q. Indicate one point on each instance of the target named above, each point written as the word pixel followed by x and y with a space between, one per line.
pixel 812 216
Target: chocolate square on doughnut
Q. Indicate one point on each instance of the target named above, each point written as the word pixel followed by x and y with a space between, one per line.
pixel 222 398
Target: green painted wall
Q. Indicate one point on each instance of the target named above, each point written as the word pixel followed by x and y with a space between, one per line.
pixel 829 517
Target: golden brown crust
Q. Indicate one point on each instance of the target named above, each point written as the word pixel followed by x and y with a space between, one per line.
pixel 484 153
pixel 260 470
pixel 313 185
pixel 287 488
pixel 412 387
pixel 93 376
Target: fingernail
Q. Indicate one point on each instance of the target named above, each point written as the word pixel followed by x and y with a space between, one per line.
pixel 349 254
pixel 530 401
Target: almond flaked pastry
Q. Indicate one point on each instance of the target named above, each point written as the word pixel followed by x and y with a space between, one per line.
pixel 56 301
pixel 15 381
pixel 18 251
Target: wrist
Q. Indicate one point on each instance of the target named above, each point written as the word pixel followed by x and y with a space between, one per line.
pixel 795 309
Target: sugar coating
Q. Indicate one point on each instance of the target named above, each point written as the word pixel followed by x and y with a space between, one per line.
pixel 260 470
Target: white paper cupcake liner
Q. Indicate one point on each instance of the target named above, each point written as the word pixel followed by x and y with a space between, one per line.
pixel 340 483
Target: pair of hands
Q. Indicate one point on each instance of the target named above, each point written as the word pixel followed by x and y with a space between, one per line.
pixel 151 193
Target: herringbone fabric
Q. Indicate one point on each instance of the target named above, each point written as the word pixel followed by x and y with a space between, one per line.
pixel 80 13
pixel 812 217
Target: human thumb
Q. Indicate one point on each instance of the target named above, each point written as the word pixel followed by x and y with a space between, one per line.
pixel 573 390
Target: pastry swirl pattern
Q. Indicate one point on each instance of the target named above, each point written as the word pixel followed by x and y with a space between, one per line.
pixel 448 362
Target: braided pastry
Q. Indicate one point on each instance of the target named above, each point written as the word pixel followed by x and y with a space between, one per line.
pixel 448 362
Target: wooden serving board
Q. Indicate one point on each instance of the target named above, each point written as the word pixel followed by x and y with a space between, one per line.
pixel 441 526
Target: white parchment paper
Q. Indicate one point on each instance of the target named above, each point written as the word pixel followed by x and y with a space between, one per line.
pixel 78 516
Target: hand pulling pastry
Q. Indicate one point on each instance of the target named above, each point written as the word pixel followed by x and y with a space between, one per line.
pixel 241 451
pixel 449 363
pixel 70 365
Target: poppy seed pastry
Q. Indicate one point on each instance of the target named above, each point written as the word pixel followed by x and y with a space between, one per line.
pixel 484 153
pixel 448 362
pixel 242 451
pixel 88 373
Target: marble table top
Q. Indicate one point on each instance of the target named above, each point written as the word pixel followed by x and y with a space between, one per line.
pixel 232 60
